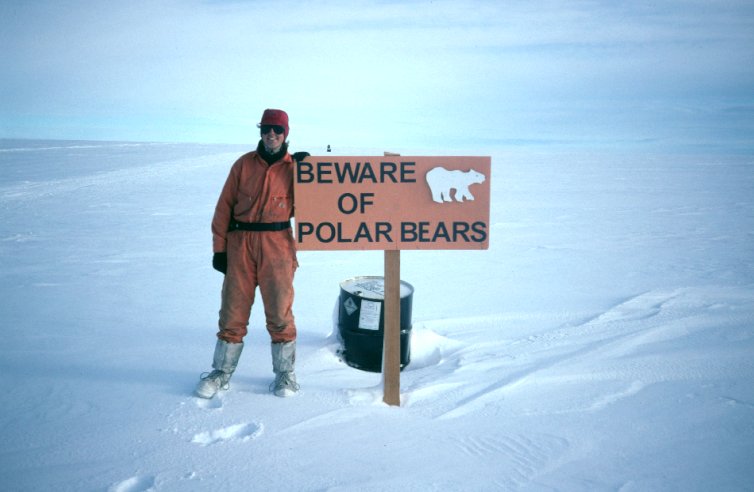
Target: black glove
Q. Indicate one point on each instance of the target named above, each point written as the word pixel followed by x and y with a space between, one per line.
pixel 300 156
pixel 220 262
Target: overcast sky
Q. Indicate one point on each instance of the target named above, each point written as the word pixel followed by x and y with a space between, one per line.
pixel 406 74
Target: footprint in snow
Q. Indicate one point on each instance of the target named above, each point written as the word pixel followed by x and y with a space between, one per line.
pixel 238 432
pixel 133 484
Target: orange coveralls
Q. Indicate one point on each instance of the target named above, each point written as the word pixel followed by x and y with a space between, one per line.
pixel 256 192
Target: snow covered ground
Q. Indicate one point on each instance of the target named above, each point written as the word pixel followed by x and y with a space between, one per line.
pixel 605 341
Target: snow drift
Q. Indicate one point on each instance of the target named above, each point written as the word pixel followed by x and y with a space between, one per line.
pixel 605 340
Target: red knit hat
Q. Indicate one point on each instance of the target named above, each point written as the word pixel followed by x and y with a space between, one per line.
pixel 275 117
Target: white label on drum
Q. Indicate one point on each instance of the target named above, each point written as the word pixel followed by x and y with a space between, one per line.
pixel 369 317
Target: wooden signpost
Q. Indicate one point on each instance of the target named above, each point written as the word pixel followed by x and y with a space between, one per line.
pixel 392 203
pixel 391 340
pixel 391 345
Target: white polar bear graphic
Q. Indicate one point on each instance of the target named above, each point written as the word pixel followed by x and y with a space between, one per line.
pixel 441 181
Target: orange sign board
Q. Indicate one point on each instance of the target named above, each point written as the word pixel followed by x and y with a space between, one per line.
pixel 392 202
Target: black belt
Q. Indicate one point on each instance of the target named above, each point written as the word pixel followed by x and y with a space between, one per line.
pixel 258 226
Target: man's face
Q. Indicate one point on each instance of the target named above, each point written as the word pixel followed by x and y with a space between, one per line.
pixel 271 139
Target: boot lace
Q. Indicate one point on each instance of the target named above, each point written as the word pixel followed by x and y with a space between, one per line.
pixel 216 376
pixel 283 381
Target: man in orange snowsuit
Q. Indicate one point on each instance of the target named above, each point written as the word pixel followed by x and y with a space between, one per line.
pixel 254 247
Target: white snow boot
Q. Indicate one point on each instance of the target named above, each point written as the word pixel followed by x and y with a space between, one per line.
pixel 224 363
pixel 283 360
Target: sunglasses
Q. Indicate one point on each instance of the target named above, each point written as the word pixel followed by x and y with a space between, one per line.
pixel 279 130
